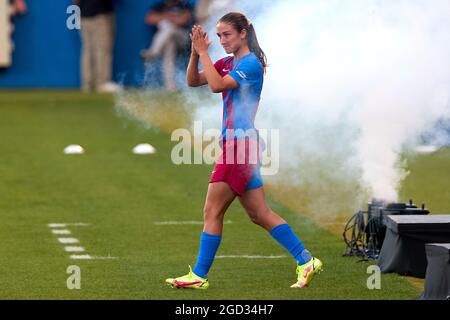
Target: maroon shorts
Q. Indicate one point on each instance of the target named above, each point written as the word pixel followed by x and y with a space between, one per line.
pixel 239 166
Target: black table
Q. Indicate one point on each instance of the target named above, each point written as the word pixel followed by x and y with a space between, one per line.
pixel 403 249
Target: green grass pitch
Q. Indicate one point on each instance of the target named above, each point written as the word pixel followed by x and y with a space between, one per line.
pixel 122 195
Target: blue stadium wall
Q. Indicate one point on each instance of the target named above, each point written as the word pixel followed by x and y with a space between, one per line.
pixel 47 53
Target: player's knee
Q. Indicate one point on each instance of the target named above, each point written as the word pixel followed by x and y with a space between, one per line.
pixel 255 220
pixel 254 216
pixel 210 213
pixel 258 217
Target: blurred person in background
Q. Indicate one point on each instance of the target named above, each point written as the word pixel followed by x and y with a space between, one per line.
pixel 202 14
pixel 8 9
pixel 18 7
pixel 173 19
pixel 205 10
pixel 97 36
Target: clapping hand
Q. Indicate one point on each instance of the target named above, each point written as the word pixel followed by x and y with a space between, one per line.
pixel 200 40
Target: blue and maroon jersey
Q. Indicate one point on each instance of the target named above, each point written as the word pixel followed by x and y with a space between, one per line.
pixel 241 104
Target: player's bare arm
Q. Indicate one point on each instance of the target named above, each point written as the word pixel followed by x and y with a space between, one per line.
pixel 194 78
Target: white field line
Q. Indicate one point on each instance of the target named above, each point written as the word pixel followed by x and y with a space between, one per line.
pixel 80 257
pixel 248 257
pixel 74 249
pixel 63 225
pixel 89 257
pixel 57 225
pixel 68 240
pixel 61 231
pixel 165 223
pixel 104 258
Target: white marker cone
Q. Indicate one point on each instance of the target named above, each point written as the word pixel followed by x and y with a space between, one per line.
pixel 74 149
pixel 144 148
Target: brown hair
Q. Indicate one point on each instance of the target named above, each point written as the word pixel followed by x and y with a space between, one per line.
pixel 240 22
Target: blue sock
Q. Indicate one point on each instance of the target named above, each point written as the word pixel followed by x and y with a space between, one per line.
pixel 209 244
pixel 287 238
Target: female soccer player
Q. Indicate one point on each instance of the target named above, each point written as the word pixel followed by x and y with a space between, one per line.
pixel 240 80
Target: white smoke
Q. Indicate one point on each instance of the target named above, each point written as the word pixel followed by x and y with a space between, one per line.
pixel 351 85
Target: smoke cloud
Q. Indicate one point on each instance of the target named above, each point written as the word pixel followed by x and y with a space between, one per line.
pixel 352 86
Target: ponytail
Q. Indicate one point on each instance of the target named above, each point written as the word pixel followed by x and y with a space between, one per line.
pixel 254 47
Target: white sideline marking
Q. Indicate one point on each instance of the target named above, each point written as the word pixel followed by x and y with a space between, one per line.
pixel 68 240
pixel 80 257
pixel 57 225
pixel 63 225
pixel 249 257
pixel 89 257
pixel 74 249
pixel 61 231
pixel 164 223
pixel 105 258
